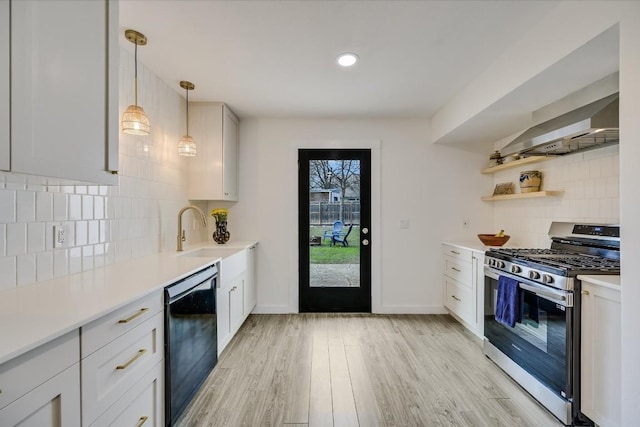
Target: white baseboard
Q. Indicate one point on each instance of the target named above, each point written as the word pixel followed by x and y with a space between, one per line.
pixel 411 309
pixel 271 309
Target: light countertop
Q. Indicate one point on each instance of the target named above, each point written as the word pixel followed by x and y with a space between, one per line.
pixel 612 282
pixel 35 314
pixel 476 246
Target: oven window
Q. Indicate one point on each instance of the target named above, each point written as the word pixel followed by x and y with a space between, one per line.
pixel 538 342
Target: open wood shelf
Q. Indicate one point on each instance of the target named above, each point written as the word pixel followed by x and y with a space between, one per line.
pixel 544 193
pixel 516 163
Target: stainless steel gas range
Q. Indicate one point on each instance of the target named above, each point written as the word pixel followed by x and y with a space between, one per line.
pixel 539 346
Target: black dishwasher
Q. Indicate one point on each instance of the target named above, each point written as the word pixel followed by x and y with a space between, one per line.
pixel 191 338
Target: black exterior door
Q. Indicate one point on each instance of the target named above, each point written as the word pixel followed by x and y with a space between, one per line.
pixel 334 205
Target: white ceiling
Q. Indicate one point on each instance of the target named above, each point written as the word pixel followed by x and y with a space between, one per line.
pixel 277 58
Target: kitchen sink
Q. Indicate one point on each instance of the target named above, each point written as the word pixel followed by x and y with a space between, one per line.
pixel 210 252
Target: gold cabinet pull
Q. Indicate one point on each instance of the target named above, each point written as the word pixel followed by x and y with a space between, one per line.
pixel 455 269
pixel 141 421
pixel 133 316
pixel 455 298
pixel 133 359
pixel 585 292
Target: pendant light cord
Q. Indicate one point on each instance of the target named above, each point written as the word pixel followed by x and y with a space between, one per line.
pixel 187 111
pixel 136 72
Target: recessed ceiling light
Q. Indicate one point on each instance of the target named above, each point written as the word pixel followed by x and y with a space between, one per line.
pixel 347 59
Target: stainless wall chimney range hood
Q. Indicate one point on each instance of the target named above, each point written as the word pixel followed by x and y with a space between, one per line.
pixel 594 125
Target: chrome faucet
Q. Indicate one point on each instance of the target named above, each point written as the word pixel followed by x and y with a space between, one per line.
pixel 181 237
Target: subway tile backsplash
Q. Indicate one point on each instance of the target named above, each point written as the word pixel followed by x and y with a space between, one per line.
pixel 590 181
pixel 104 224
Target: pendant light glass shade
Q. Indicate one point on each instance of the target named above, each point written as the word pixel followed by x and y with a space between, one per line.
pixel 187 146
pixel 134 120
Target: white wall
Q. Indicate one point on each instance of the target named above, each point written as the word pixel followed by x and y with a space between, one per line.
pixel 435 187
pixel 107 224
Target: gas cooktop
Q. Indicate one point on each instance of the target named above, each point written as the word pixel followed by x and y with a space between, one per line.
pixel 575 249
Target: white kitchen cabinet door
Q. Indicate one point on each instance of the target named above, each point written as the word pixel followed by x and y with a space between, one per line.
pixel 230 148
pixel 222 306
pixel 600 354
pixel 54 403
pixel 478 291
pixel 213 173
pixel 63 83
pixel 5 152
pixel 250 284
pixel 236 304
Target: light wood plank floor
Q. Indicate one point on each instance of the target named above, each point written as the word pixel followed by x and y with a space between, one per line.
pixel 359 370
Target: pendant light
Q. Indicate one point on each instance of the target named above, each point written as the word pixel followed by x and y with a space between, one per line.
pixel 134 119
pixel 186 145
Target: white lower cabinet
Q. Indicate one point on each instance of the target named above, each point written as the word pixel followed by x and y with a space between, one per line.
pixel 463 279
pixel 601 354
pixel 140 405
pixel 236 295
pixel 250 284
pixel 42 387
pixel 120 364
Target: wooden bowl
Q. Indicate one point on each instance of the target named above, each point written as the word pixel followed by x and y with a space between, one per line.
pixel 493 240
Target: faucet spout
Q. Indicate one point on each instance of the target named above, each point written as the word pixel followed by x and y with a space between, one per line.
pixel 203 217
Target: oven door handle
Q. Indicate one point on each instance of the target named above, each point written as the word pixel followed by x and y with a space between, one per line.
pixel 556 297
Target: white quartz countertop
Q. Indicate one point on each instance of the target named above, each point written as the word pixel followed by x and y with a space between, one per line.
pixel 476 246
pixel 35 314
pixel 612 282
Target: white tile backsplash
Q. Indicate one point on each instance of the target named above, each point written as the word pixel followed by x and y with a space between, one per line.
pixel 16 238
pixel 26 269
pixel 7 206
pixel 590 182
pixel 8 269
pixel 105 223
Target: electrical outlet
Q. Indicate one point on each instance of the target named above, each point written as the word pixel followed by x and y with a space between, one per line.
pixel 465 223
pixel 59 236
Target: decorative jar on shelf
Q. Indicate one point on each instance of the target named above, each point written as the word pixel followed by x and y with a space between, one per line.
pixel 530 181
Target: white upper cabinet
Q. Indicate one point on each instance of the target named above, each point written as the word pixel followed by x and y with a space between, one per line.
pixel 64 86
pixel 213 173
pixel 4 86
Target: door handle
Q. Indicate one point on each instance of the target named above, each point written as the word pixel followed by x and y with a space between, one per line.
pixel 365 242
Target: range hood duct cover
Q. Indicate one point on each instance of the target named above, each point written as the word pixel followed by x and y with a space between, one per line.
pixel 592 126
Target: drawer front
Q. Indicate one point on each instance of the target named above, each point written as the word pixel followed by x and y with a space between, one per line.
pixel 54 403
pixel 458 270
pixel 142 405
pixel 26 372
pixel 104 330
pixel 109 372
pixel 462 254
pixel 233 266
pixel 459 299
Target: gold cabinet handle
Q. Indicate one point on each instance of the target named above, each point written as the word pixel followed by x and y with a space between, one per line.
pixel 455 298
pixel 455 269
pixel 133 359
pixel 133 316
pixel 585 292
pixel 141 421
pixel 454 252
